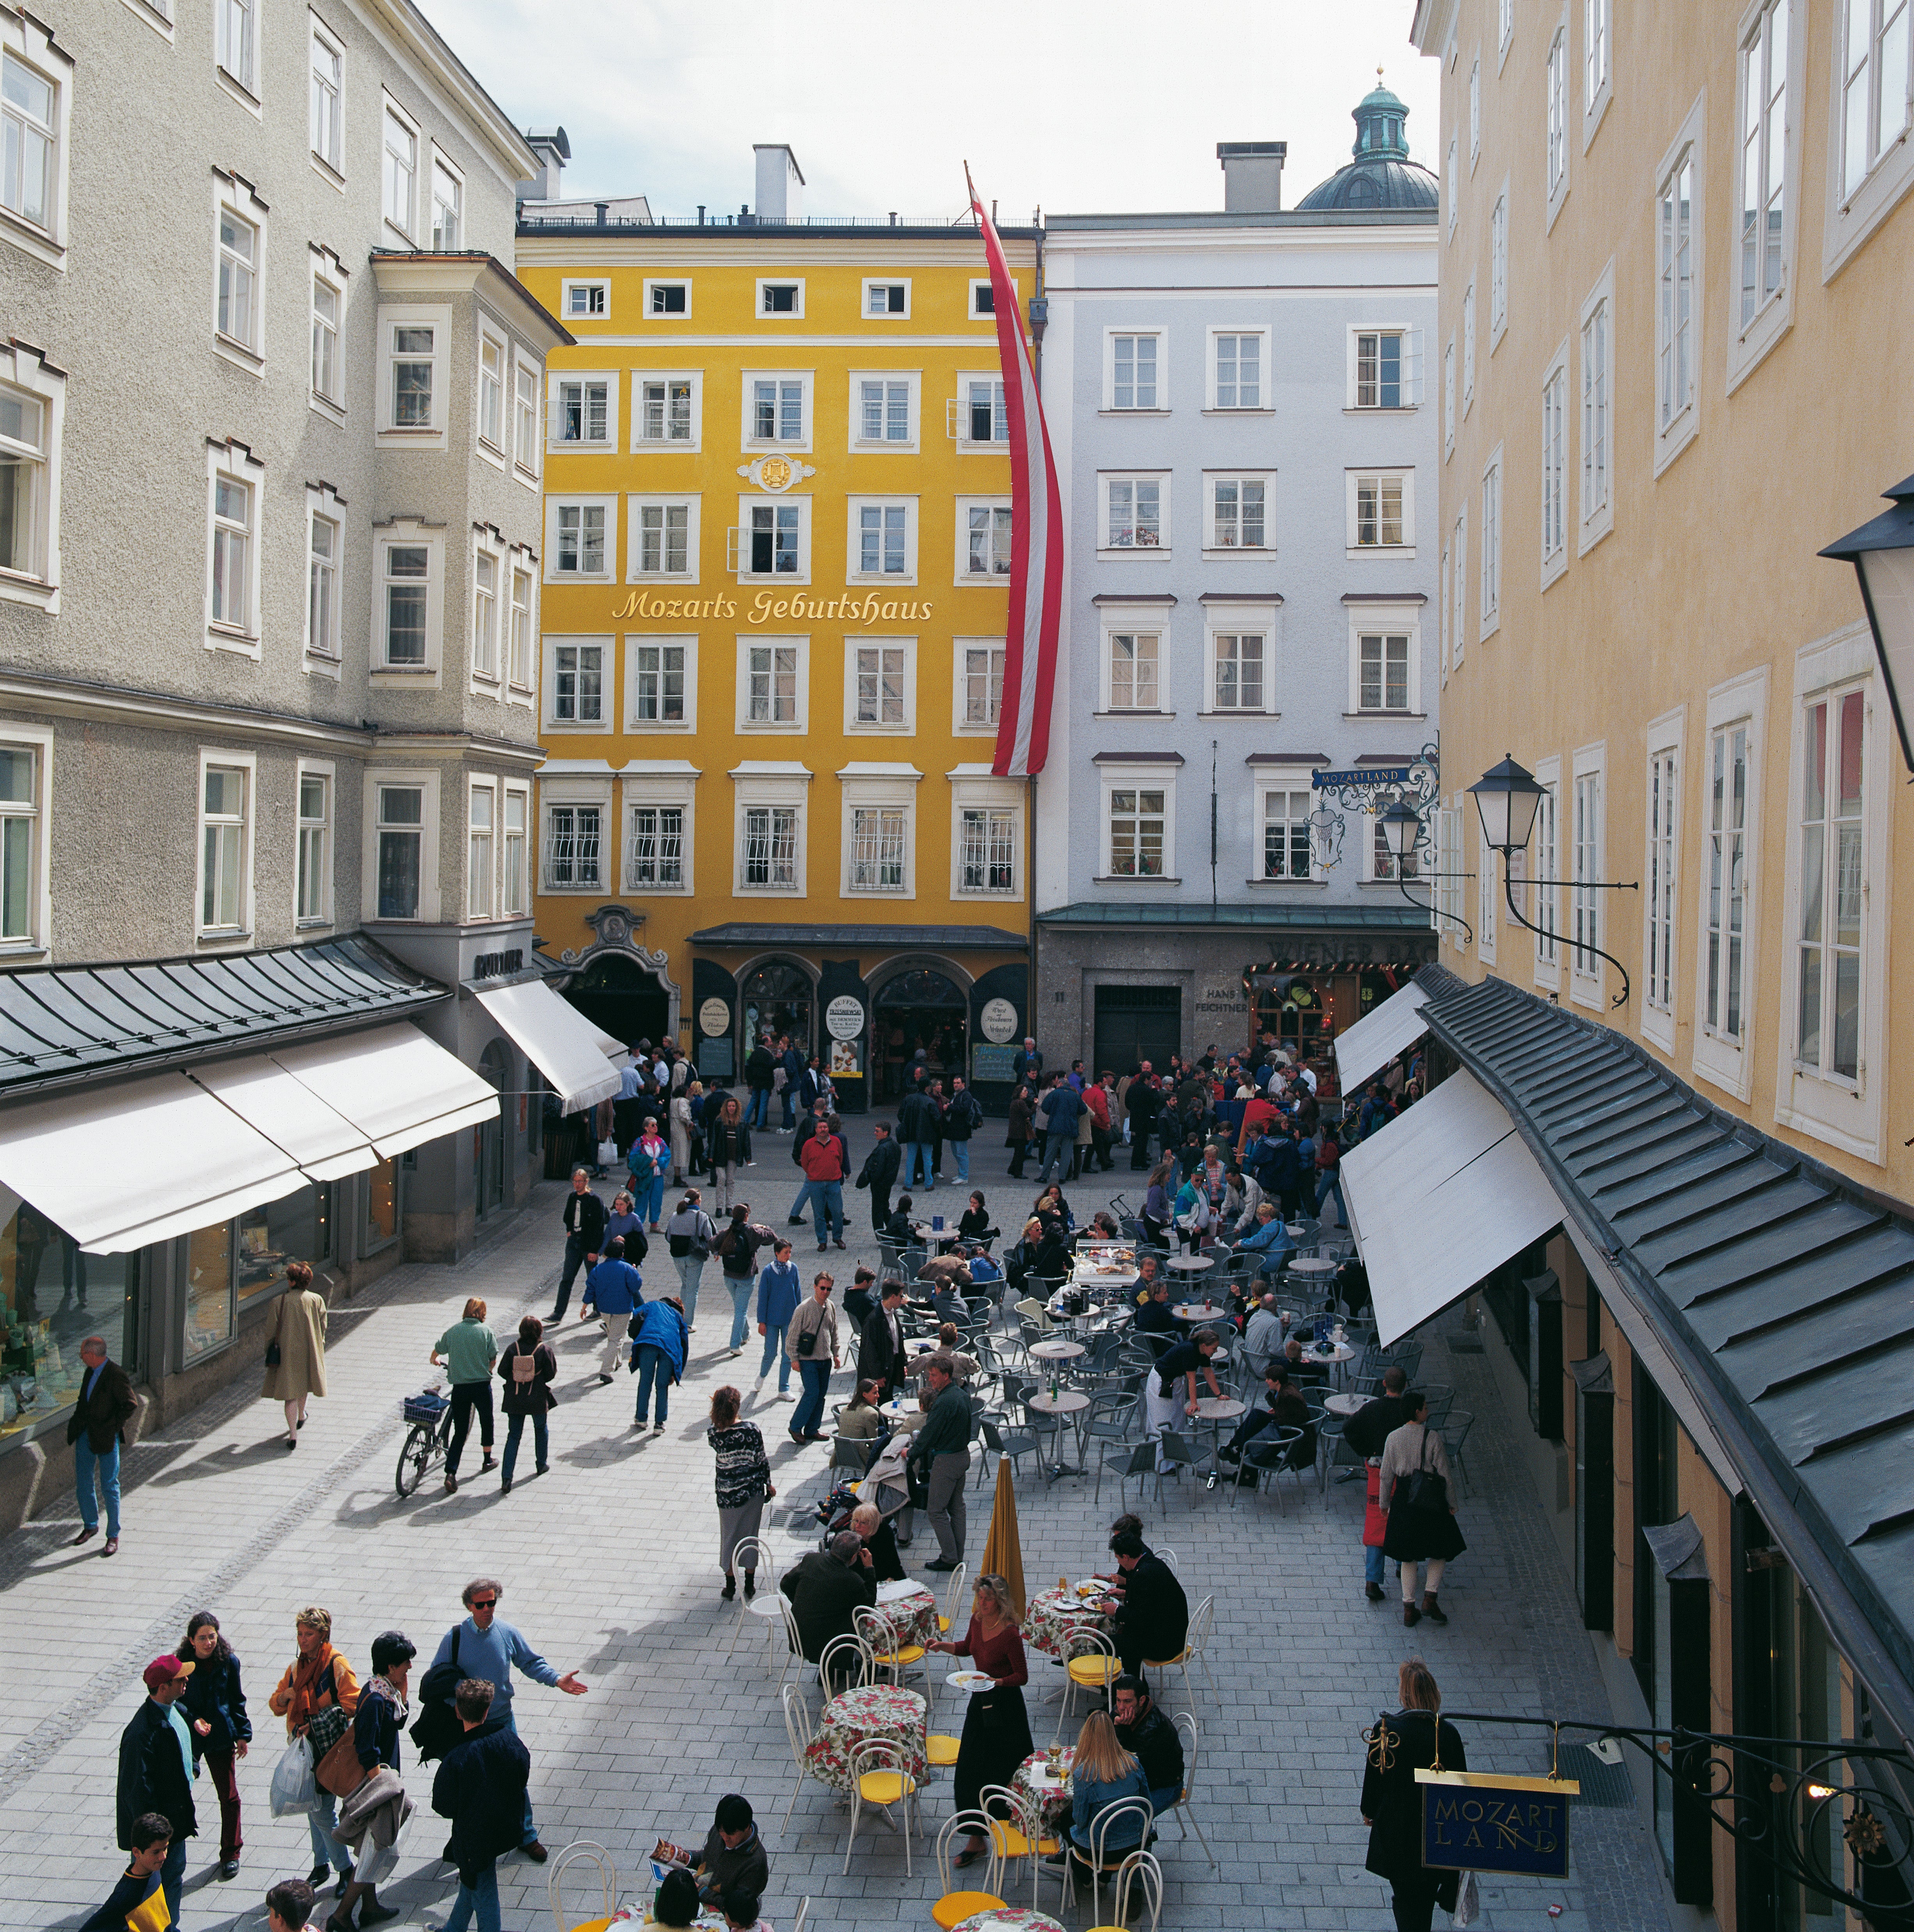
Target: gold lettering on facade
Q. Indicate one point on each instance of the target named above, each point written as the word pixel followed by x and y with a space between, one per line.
pixel 764 608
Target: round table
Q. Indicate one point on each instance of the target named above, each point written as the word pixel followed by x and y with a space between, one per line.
pixel 1343 1405
pixel 855 1717
pixel 1054 1797
pixel 917 1347
pixel 1191 1311
pixel 1058 1351
pixel 1313 1264
pixel 943 1237
pixel 1066 1403
pixel 909 1612
pixel 1010 1919
pixel 1189 1264
pixel 1215 1410
pixel 1049 1617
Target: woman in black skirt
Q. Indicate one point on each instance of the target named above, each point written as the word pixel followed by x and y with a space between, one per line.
pixel 1401 1744
pixel 996 1738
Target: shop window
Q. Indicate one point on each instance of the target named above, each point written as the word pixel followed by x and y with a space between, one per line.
pixel 51 1298
pixel 210 1311
pixel 296 1228
pixel 382 1206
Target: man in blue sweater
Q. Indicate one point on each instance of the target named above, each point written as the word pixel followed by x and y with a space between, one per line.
pixel 487 1647
pixel 1059 1112
pixel 616 1290
pixel 780 1289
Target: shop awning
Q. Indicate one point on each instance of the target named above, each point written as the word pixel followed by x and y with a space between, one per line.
pixel 1441 1196
pixel 326 1144
pixel 1379 1037
pixel 144 1160
pixel 558 1039
pixel 398 1088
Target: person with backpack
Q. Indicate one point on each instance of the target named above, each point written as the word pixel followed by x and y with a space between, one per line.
pixel 649 1162
pixel 528 1368
pixel 736 1250
pixel 826 1164
pixel 689 1235
pixel 1329 1177
pixel 962 1118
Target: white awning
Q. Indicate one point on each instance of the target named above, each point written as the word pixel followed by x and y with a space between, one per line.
pixel 144 1160
pixel 1440 1197
pixel 1379 1036
pixel 326 1145
pixel 564 1045
pixel 398 1088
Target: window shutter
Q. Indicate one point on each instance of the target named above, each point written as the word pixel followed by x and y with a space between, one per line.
pixel 554 412
pixel 1412 367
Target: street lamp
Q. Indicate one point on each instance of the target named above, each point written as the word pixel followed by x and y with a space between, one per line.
pixel 1402 833
pixel 1882 554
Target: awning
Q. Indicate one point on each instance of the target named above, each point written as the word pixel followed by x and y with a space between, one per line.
pixel 117 1167
pixel 326 1144
pixel 396 1087
pixel 1379 1037
pixel 1441 1196
pixel 558 1039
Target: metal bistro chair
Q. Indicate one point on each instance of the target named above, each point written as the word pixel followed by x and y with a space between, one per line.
pixel 849 1452
pixel 953 1905
pixel 1196 1647
pixel 1048 1429
pixel 878 1777
pixel 853 1657
pixel 1018 1833
pixel 1267 1457
pixel 797 1729
pixel 1442 1398
pixel 1138 1460
pixel 1007 1440
pixel 1102 1862
pixel 1091 1665
pixel 582 1851
pixel 1461 1422
pixel 953 1598
pixel 1175 1451
pixel 1185 1804
pixel 877 1635
pixel 1140 1870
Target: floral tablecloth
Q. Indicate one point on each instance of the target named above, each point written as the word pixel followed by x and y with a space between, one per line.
pixel 910 1619
pixel 857 1716
pixel 1011 1918
pixel 1048 1617
pixel 1055 1799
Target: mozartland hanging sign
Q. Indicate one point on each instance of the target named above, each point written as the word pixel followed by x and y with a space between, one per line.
pixel 766 608
pixel 1477 1821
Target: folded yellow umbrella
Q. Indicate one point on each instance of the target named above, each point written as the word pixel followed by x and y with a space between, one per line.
pixel 1003 1550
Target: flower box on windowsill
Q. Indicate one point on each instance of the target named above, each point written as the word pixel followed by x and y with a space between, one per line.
pixel 1135 879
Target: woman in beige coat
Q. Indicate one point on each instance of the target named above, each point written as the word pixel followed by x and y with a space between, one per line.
pixel 298 1334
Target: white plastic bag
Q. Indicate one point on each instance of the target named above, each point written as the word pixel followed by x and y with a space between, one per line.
pixel 607 1154
pixel 1468 1901
pixel 294 1787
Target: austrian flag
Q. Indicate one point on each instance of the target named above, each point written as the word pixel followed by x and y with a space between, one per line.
pixel 1036 538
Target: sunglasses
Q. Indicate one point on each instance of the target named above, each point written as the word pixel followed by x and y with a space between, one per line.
pixel 484 1603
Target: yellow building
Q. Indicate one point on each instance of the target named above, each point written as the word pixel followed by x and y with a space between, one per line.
pixel 777 547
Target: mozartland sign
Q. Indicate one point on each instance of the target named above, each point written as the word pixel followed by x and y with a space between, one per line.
pixel 764 608
pixel 1476 1821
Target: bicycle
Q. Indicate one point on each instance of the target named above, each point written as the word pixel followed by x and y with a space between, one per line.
pixel 428 1436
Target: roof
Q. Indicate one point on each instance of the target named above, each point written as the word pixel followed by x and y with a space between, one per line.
pixel 1275 917
pixel 64 1025
pixel 1784 1293
pixel 929 938
pixel 1382 175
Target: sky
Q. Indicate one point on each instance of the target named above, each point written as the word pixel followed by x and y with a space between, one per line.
pixel 1074 106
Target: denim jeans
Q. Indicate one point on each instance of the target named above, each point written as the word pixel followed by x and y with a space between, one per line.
pixel 774 1343
pixel 804 1194
pixel 516 1429
pixel 1058 1150
pixel 173 1871
pixel 740 1285
pixel 916 1152
pixel 654 1368
pixel 326 1850
pixel 1332 1184
pixel 1372 1564
pixel 828 1195
pixel 479 1902
pixel 961 1152
pixel 789 1097
pixel 85 1462
pixel 757 1109
pixel 690 1272
pixel 528 1831
pixel 575 1252
pixel 809 1414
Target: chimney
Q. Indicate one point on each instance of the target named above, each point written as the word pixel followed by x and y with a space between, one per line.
pixel 1252 175
pixel 553 150
pixel 780 184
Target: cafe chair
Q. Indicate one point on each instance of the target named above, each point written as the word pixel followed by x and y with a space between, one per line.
pixel 848 1452
pixel 1460 1422
pixel 846 1665
pixel 1007 1441
pixel 954 1905
pixel 1175 1451
pixel 1266 1456
pixel 582 1851
pixel 1103 1861
pixel 804 1913
pixel 1020 1834
pixel 797 1730
pixel 878 1636
pixel 1168 1555
pixel 940 1749
pixel 878 1778
pixel 1037 1316
pixel 1138 1460
pixel 1185 1806
pixel 1140 1870
pixel 953 1598
pixel 1091 1666
pixel 1196 1645
pixel 1442 1398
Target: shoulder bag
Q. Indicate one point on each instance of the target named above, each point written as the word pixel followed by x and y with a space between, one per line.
pixel 437 1729
pixel 272 1355
pixel 1423 1491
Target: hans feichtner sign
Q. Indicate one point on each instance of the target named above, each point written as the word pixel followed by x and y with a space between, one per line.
pixel 1476 1821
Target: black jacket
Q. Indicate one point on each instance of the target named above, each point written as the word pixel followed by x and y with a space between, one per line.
pixel 481 1788
pixel 213 1694
pixel 1157 1748
pixel 104 1414
pixel 1392 1800
pixel 918 1120
pixel 1031 1062
pixel 879 1172
pixel 1154 1621
pixel 878 1360
pixel 823 1593
pixel 758 1067
pixel 152 1776
pixel 585 1216
pixel 963 1117
pixel 1373 1424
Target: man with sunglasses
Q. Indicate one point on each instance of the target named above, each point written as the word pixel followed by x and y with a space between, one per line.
pixel 487 1646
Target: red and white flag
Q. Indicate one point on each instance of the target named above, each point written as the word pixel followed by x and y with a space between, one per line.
pixel 1036 537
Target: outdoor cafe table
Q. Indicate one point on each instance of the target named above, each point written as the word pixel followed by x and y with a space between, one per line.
pixel 909 1612
pixel 917 1347
pixel 1053 1795
pixel 1065 1404
pixel 855 1717
pixel 1199 1312
pixel 1215 1410
pixel 943 1237
pixel 1049 1616
pixel 1314 1267
pixel 1057 1351
pixel 1010 1919
pixel 1343 1405
pixel 1189 1264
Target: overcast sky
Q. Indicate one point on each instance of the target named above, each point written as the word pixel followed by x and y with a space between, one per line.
pixel 1078 106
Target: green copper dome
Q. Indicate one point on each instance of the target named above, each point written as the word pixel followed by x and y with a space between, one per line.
pixel 1382 175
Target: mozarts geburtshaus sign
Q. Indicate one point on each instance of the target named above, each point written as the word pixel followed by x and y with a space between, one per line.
pixel 764 608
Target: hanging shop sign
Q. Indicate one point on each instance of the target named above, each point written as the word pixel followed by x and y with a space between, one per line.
pixel 844 1018
pixel 714 1017
pixel 1476 1821
pixel 997 1022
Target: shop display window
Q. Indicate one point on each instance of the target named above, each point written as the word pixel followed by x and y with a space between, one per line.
pixel 51 1298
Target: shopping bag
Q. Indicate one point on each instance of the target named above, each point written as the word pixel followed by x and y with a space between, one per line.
pixel 607 1154
pixel 1468 1901
pixel 294 1788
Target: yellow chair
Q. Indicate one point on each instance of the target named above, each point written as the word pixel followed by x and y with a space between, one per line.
pixel 582 1851
pixel 877 1636
pixel 1020 1836
pixel 955 1905
pixel 1093 1666
pixel 940 1749
pixel 1141 1869
pixel 1131 1812
pixel 953 1596
pixel 877 1776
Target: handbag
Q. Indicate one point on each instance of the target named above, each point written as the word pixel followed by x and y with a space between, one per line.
pixel 1468 1901
pixel 1425 1490
pixel 327 1727
pixel 272 1355
pixel 340 1771
pixel 805 1346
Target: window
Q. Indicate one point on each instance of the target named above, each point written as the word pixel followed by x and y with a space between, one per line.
pixel 1499 269
pixel 657 682
pixel 1584 901
pixel 585 410
pixel 401 171
pixel 773 544
pixel 1239 372
pixel 1452 186
pixel 667 298
pixel 887 298
pixel 1238 659
pixel 1286 833
pixel 525 434
pixel 1723 963
pixel 769 855
pixel 481 827
pixel 1458 544
pixel 518 667
pixel 666 411
pixel 1449 399
pixel 1764 206
pixel 771 695
pixel 1133 372
pixel 328 87
pixel 1871 162
pixel 883 412
pixel 655 847
pixel 571 848
pixel 328 367
pixel 491 392
pixel 581 531
pixel 879 837
pixel 987 838
pixel 664 537
pixel 1238 507
pixel 577 684
pixel 1468 348
pixel 515 902
pixel 1380 373
pixel 234 554
pixel 28 102
pixel 884 545
pixel 1384 673
pixel 1557 121
pixel 881 697
pixel 1832 900
pixel 1137 826
pixel 1382 511
pixel 780 297
pixel 1474 111
pixel 399 830
pixel 1596 88
pixel 237 317
pixel 323 589
pixel 979 685
pixel 485 615
pixel 1597 498
pixel 224 869
pixel 1491 543
pixel 22 868
pixel 1133 661
pixel 1664 852
pixel 1677 266
pixel 777 410
pixel 1133 513
pixel 314 891
pixel 987 530
pixel 1555 406
pixel 407 596
pixel 26 483
pixel 985 416
pixel 1445 623
pixel 412 359
pixel 1548 862
pixel 983 298
pixel 236 22
pixel 448 199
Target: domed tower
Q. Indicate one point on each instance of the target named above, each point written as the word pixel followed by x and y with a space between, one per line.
pixel 1382 175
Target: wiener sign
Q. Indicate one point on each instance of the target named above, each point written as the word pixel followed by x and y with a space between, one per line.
pixel 1476 1821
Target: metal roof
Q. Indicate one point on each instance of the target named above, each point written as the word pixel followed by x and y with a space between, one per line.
pixel 950 938
pixel 1784 1292
pixel 63 1025
pixel 1276 916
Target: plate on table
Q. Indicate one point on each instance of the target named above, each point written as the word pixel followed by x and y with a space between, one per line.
pixel 972 1680
pixel 1094 1588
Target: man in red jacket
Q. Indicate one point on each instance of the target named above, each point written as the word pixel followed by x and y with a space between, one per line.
pixel 825 1162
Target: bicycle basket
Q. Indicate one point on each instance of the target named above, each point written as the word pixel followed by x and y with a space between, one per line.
pixel 426 1407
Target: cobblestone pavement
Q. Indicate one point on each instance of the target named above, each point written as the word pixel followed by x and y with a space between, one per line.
pixel 609 1564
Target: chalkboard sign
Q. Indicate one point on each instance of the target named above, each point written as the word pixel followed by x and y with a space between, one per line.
pixel 714 1059
pixel 993 1063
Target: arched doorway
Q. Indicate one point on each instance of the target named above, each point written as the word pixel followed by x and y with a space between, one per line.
pixel 921 1007
pixel 614 992
pixel 495 1069
pixel 777 998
